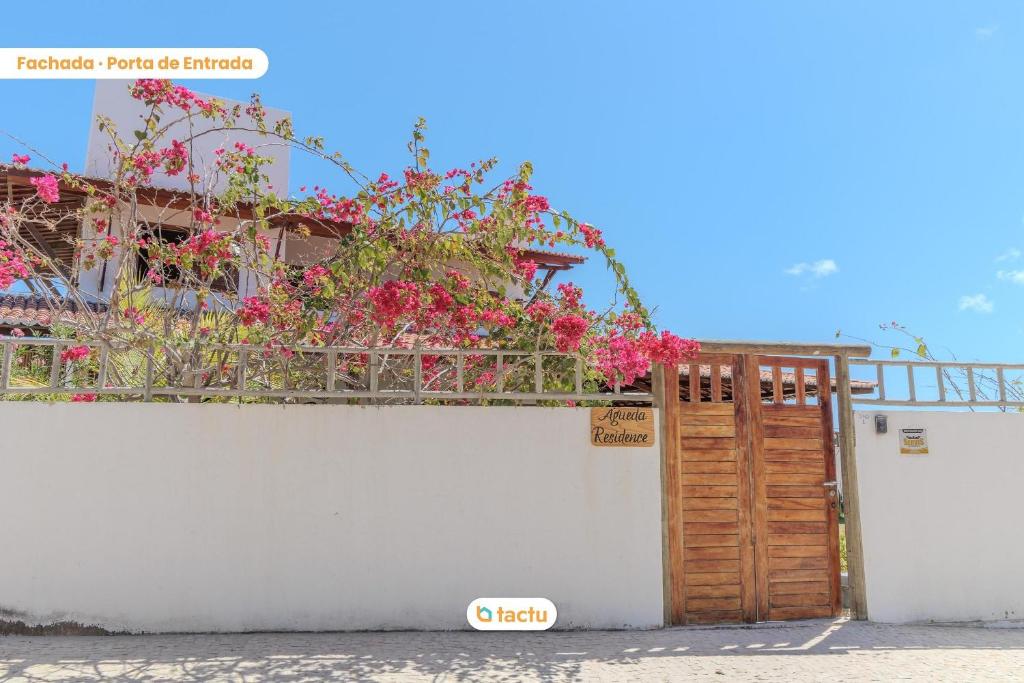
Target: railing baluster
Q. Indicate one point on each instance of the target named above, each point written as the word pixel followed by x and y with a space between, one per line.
pixel 417 375
pixel 460 371
pixel 5 371
pixel 538 373
pixel 500 373
pixel 801 386
pixel 971 389
pixel 579 376
pixel 1002 385
pixel 243 362
pixel 910 382
pixel 372 367
pixel 880 379
pixel 940 382
pixel 55 366
pixel 101 375
pixel 332 369
pixel 148 389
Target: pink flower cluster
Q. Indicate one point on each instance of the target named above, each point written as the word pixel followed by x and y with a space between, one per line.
pixel 539 311
pixel 254 310
pixel 161 91
pixel 621 358
pixel 175 158
pixel 335 208
pixel 134 315
pixel 73 353
pixel 569 331
pixel 527 268
pixel 668 349
pixel 20 159
pixel 47 188
pixel 624 358
pixel 12 265
pixel 393 299
pixel 172 159
pixel 591 236
pixel 314 277
pixel 571 294
pixel 210 248
pixel 497 318
pixel 440 299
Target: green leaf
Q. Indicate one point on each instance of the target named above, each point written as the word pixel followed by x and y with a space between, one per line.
pixel 895 353
pixel 140 135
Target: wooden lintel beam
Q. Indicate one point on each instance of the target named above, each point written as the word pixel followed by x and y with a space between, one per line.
pixel 784 348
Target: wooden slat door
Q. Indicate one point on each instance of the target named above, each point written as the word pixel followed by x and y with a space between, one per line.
pixel 753 531
pixel 796 507
pixel 716 572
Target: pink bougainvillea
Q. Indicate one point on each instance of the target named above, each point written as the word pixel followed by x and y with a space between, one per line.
pixel 668 348
pixel 254 310
pixel 73 353
pixel 159 91
pixel 47 188
pixel 569 330
pixel 314 275
pixel 12 265
pixel 421 258
pixel 620 359
pixel 591 236
pixel 394 299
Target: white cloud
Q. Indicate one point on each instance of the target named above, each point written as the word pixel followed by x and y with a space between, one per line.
pixel 985 32
pixel 979 303
pixel 1011 254
pixel 821 268
pixel 1014 276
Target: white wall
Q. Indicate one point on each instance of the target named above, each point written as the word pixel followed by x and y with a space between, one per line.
pixel 943 533
pixel 194 517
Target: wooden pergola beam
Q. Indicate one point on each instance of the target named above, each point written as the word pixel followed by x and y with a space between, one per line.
pixel 766 348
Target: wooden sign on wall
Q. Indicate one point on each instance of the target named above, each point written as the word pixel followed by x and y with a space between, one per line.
pixel 622 427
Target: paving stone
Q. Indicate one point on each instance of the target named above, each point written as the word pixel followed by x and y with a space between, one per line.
pixel 832 650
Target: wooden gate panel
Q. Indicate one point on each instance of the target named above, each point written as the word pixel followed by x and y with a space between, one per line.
pixel 796 521
pixel 717 565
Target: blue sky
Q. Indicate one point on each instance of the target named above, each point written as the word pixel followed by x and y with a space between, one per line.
pixel 718 145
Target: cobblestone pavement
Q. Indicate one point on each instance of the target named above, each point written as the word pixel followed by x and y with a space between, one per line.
pixel 822 650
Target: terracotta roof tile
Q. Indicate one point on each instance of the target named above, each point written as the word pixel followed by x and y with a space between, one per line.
pixel 35 311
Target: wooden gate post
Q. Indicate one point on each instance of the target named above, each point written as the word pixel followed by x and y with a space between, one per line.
pixel 666 390
pixel 851 501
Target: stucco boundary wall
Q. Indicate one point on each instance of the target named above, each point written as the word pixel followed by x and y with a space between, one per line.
pixel 942 531
pixel 189 517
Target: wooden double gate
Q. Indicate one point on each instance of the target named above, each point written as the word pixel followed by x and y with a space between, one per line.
pixel 752 504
